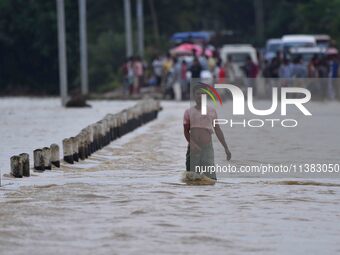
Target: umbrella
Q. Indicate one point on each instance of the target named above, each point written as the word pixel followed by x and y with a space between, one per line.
pixel 332 51
pixel 188 48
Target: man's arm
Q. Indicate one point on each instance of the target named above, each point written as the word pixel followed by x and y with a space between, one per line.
pixel 220 137
pixel 187 132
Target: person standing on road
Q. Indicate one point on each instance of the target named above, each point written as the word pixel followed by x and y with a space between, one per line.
pixel 323 71
pixel 169 78
pixel 298 70
pixel 212 64
pixel 198 130
pixel 333 73
pixel 231 68
pixel 184 80
pixel 167 65
pixel 138 75
pixel 275 65
pixel 312 70
pixel 157 70
pixel 251 70
pixel 127 72
pixel 176 86
pixel 196 69
pixel 220 72
pixel 285 73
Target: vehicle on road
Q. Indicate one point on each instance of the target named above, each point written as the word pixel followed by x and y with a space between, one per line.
pixel 235 57
pixel 323 41
pixel 272 47
pixel 198 37
pixel 293 41
pixel 306 53
pixel 238 53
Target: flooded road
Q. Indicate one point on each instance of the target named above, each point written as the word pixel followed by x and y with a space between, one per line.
pixel 127 199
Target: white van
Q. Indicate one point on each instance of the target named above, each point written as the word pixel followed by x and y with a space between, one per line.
pixel 238 53
pixel 272 47
pixel 235 55
pixel 306 53
pixel 323 41
pixel 292 41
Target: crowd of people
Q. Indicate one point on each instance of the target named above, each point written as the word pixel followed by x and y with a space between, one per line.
pixel 171 75
pixel 133 73
pixel 319 72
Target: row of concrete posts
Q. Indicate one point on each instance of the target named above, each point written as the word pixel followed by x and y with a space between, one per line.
pixel 89 140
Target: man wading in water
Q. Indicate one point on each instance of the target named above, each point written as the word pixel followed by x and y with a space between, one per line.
pixel 198 130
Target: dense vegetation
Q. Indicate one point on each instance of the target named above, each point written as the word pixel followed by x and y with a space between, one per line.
pixel 28 34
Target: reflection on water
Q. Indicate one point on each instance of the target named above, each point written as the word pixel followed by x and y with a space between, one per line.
pixel 128 199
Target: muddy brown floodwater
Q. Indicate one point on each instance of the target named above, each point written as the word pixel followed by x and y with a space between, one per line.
pixel 125 200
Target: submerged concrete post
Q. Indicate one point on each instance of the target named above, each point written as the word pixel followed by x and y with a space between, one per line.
pixel 99 136
pixel 85 131
pixel 91 139
pixel 16 167
pixel 68 151
pixel 25 160
pixel 116 126
pixel 103 131
pixel 143 114
pixel 96 137
pixel 38 160
pixel 123 121
pixel 81 150
pixel 75 148
pixel 128 124
pixel 46 152
pixel 102 134
pixel 106 131
pixel 110 120
pixel 55 155
pixel 108 127
pixel 137 112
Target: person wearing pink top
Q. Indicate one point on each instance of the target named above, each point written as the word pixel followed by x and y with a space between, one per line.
pixel 138 74
pixel 198 130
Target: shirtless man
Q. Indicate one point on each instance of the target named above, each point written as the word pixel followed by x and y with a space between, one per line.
pixel 198 130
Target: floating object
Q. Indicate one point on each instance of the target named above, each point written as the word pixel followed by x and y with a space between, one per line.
pixel 193 178
pixel 77 100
